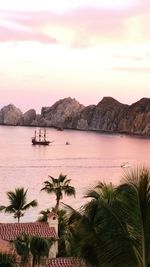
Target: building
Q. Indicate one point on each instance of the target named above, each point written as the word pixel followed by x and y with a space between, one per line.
pixel 64 262
pixel 10 231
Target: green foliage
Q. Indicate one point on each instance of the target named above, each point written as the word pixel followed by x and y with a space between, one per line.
pixel 62 229
pixel 62 233
pixel 39 248
pixel 43 215
pixel 113 228
pixel 22 245
pixel 7 260
pixel 32 248
pixel 135 194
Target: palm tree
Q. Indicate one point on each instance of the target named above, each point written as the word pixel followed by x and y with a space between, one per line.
pixel 7 260
pixel 22 245
pixel 39 248
pixel 43 215
pixel 100 231
pixel 113 228
pixel 63 229
pixel 18 203
pixel 32 249
pixel 58 186
pixel 135 196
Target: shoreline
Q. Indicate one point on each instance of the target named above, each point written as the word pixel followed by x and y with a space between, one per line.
pixel 142 136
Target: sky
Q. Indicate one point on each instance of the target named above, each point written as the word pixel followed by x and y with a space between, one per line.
pixel 84 49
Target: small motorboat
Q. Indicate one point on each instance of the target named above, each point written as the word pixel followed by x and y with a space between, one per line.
pixel 125 165
pixel 67 143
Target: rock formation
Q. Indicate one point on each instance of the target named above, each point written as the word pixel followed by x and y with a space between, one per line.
pixel 10 115
pixel 108 115
pixel 136 119
pixel 28 118
pixel 103 117
pixel 59 114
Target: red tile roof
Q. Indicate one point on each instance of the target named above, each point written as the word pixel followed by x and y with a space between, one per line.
pixel 10 231
pixel 63 262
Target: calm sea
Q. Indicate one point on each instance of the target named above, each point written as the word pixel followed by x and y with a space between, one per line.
pixel 90 157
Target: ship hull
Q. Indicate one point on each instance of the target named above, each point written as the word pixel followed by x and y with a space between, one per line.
pixel 43 143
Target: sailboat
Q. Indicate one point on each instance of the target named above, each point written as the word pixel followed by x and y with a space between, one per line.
pixel 40 138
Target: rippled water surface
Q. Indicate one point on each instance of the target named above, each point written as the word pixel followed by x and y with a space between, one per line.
pixel 90 157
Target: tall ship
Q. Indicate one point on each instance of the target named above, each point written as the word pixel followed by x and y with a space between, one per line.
pixel 40 138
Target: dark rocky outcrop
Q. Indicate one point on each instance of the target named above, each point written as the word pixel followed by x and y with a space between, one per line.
pixel 105 116
pixel 108 115
pixel 136 119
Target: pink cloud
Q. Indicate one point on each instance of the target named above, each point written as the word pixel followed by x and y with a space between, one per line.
pixel 15 35
pixel 23 26
pixel 86 24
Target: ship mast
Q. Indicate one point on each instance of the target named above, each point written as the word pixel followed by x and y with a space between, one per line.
pixel 39 134
pixel 35 135
pixel 44 134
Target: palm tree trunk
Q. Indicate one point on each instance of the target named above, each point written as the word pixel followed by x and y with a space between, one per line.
pixel 34 261
pixel 143 242
pixel 57 204
pixel 144 250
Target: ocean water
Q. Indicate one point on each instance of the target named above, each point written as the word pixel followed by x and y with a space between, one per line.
pixel 90 157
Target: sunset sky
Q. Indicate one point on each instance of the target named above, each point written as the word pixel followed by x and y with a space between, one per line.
pixel 85 49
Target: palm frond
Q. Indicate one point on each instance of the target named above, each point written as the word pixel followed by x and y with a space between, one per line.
pixel 18 202
pixel 69 190
pixel 2 208
pixel 62 178
pixel 59 186
pixel 33 203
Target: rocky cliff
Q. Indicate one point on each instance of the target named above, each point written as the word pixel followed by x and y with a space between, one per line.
pixel 108 115
pixel 61 114
pixel 103 117
pixel 10 115
pixel 136 119
pixel 28 118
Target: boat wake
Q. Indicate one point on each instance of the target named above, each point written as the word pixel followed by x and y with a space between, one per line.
pixel 60 166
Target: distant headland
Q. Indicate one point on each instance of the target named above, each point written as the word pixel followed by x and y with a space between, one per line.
pixel 108 115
